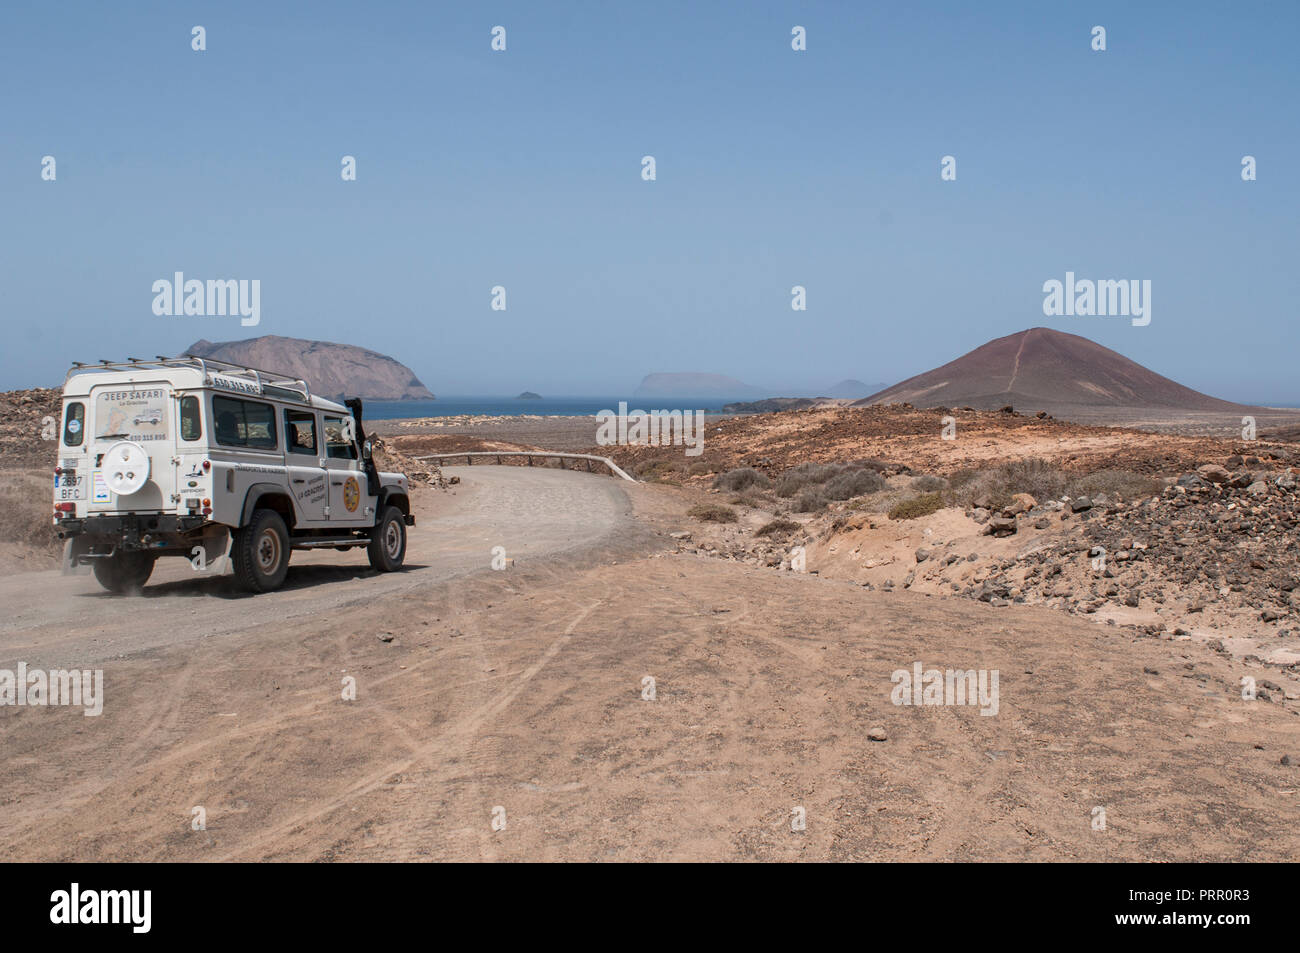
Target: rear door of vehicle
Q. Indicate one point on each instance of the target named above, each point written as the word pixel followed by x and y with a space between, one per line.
pixel 143 413
pixel 72 477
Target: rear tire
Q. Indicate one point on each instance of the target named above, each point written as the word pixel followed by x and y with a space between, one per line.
pixel 125 571
pixel 387 549
pixel 261 552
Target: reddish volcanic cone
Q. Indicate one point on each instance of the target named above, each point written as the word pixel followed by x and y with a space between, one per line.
pixel 1045 369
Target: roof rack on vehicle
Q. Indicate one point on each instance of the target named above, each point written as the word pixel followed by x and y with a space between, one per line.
pixel 208 366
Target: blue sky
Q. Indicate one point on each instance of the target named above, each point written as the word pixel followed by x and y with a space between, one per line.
pixel 775 168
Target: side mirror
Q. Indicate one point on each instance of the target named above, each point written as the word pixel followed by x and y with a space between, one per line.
pixel 365 450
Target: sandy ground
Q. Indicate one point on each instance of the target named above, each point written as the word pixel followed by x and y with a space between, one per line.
pixel 518 695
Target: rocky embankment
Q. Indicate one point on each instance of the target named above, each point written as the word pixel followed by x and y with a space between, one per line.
pixel 1212 553
pixel 29 427
pixel 1221 536
pixel 420 473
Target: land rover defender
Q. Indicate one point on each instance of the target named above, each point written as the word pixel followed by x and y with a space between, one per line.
pixel 227 466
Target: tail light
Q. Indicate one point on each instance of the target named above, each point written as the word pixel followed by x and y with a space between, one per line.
pixel 207 465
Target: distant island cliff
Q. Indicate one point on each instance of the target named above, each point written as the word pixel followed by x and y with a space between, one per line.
pixel 331 369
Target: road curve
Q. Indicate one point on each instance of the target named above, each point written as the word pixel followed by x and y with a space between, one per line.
pixel 56 621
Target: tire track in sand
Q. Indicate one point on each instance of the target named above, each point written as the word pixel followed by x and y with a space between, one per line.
pixel 463 730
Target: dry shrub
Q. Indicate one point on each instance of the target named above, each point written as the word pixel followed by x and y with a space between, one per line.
pixel 742 479
pixel 778 527
pixel 922 504
pixel 660 470
pixel 960 478
pixel 853 483
pixel 795 479
pixel 830 481
pixel 1124 484
pixel 713 513
pixel 996 486
pixel 810 500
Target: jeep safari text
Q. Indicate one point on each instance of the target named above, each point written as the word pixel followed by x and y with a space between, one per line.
pixel 227 466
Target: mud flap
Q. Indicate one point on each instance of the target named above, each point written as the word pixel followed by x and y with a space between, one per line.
pixel 72 548
pixel 211 554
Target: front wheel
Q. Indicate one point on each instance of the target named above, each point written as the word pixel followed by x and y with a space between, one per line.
pixel 387 548
pixel 261 552
pixel 124 571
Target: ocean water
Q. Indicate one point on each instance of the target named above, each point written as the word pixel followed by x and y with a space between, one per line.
pixel 453 405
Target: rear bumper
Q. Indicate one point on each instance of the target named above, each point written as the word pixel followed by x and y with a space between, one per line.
pixel 130 531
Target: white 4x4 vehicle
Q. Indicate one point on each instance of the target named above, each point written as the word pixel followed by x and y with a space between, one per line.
pixel 227 466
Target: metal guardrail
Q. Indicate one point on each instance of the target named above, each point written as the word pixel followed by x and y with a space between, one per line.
pixel 529 454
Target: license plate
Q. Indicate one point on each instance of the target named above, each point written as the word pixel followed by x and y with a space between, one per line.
pixel 69 486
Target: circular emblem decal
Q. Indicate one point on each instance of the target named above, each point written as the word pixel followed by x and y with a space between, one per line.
pixel 351 494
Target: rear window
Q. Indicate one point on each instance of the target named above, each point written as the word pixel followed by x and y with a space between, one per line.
pixel 74 425
pixel 243 423
pixel 191 425
pixel 137 412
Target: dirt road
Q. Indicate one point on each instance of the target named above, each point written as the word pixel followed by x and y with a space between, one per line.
pixel 508 717
pixel 61 620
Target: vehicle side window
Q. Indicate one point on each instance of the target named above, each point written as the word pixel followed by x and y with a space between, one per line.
pixel 300 431
pixel 74 425
pixel 191 425
pixel 338 445
pixel 243 423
